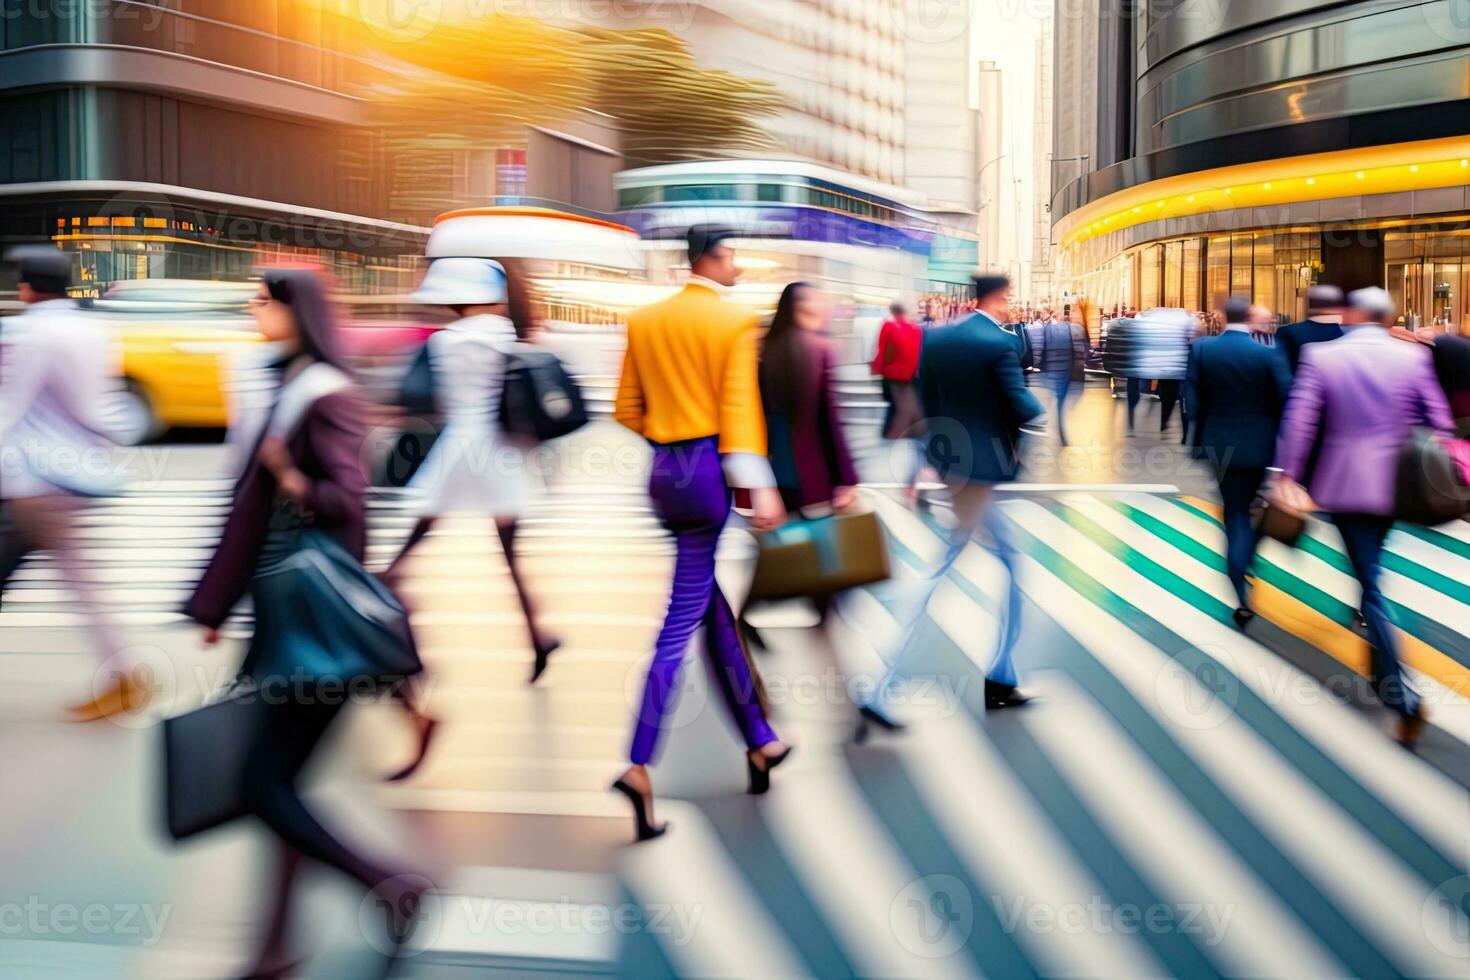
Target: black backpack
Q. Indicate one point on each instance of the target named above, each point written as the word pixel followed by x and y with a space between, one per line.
pixel 539 401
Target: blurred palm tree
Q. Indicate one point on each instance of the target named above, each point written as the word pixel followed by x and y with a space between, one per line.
pixel 477 85
pixel 670 108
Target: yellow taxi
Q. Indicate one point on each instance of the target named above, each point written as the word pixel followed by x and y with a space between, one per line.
pixel 176 341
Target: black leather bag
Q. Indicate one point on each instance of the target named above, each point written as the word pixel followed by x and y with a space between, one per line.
pixel 416 391
pixel 539 400
pixel 1430 488
pixel 204 755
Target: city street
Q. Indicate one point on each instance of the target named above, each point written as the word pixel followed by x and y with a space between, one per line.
pixel 1181 799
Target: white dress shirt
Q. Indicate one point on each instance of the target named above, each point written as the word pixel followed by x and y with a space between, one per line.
pixel 58 367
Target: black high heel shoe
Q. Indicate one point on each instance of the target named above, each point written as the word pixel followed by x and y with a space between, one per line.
pixel 646 829
pixel 543 656
pixel 427 727
pixel 870 718
pixel 760 776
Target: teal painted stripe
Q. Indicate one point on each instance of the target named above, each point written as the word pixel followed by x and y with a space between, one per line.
pixel 1267 571
pixel 1439 539
pixel 1316 911
pixel 1441 637
pixel 1375 817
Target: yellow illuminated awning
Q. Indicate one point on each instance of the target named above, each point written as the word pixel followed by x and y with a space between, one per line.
pixel 1395 168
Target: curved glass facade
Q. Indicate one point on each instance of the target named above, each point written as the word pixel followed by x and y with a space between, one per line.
pixel 1258 146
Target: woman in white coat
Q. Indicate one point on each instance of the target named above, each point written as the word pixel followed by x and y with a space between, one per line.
pixel 473 467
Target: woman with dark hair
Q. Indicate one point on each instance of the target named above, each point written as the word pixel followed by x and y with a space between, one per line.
pixel 807 447
pixel 297 507
pixel 472 467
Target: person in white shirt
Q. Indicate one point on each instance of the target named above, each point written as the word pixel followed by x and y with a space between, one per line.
pixel 472 467
pixel 57 367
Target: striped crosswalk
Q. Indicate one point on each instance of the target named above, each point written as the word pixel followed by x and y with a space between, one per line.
pixel 1183 798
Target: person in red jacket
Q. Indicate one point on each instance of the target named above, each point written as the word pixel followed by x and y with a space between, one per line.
pixel 896 361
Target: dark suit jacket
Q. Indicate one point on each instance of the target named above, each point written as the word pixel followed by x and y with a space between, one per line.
pixel 1236 392
pixel 808 448
pixel 326 449
pixel 1292 338
pixel 976 399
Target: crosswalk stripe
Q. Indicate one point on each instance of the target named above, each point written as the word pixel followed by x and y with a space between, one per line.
pixel 1420 794
pixel 1236 759
pixel 1311 599
pixel 976 798
pixel 1190 861
pixel 660 872
pixel 849 867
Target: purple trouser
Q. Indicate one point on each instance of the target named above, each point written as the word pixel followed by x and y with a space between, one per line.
pixel 691 498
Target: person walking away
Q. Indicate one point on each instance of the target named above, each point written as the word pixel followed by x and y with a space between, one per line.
pixel 1452 365
pixel 896 361
pixel 1263 325
pixel 808 448
pixel 304 476
pixel 970 374
pixel 1322 325
pixel 690 387
pixel 1062 358
pixel 1152 346
pixel 57 366
pixel 472 467
pixel 1365 394
pixel 1236 391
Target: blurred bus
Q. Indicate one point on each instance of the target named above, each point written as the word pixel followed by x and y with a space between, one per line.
pixel 865 242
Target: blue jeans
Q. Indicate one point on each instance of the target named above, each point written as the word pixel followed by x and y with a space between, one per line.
pixel 1003 670
pixel 1363 536
pixel 1061 385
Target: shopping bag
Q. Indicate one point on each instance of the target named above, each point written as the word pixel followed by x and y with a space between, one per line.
pixel 820 556
pixel 1430 488
pixel 204 755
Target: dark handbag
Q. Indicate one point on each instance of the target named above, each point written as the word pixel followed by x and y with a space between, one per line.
pixel 820 557
pixel 321 617
pixel 204 755
pixel 416 391
pixel 539 400
pixel 1429 489
pixel 1282 525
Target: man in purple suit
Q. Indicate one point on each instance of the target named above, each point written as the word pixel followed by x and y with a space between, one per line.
pixel 1366 393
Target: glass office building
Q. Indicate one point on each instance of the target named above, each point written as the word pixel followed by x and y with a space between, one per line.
pixel 1204 150
pixel 195 139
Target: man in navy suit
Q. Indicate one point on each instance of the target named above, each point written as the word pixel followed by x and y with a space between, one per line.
pixel 976 400
pixel 1237 390
pixel 1323 324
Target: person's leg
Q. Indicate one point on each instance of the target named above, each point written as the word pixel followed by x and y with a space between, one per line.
pixel 1001 680
pixel 49 524
pixel 14 548
pixel 1061 387
pixel 907 647
pixel 287 739
pixel 1363 537
pixel 738 684
pixel 506 528
pixel 1238 487
pixel 692 592
pixel 275 955
pixel 419 532
pixel 1168 398
pixel 1135 394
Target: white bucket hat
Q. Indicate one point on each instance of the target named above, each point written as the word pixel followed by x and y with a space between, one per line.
pixel 462 282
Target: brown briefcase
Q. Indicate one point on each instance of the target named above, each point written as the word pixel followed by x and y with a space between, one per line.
pixel 820 556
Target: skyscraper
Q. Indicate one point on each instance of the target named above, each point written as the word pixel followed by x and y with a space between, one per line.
pixel 1254 153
